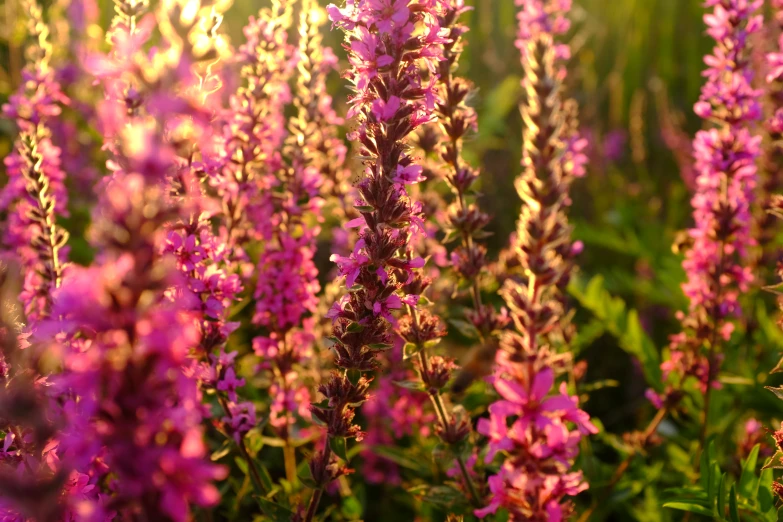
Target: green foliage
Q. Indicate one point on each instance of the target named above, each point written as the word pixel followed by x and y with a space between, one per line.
pixel 620 322
pixel 717 496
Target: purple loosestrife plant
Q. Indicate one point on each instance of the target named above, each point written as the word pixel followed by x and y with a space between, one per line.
pixel 385 50
pixel 207 286
pixel 420 328
pixel 35 193
pixel 254 129
pixel 776 208
pixel 203 258
pixel 772 155
pixel 465 220
pixel 317 123
pixel 539 447
pixel 137 413
pixel 287 287
pixel 725 158
pixel 37 478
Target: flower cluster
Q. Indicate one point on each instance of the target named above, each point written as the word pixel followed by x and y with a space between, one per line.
pixel 33 481
pixel 217 312
pixel 541 444
pixel 287 286
pixel 35 193
pixel 770 181
pixel 725 160
pixel 386 44
pixel 138 415
pixel 254 129
pixel 465 220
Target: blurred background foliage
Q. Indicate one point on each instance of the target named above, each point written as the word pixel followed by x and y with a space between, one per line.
pixel 635 71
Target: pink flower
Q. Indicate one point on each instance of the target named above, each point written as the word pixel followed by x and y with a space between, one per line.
pixel 410 174
pixel 386 110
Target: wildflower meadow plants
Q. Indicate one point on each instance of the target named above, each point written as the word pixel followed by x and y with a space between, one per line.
pixel 390 260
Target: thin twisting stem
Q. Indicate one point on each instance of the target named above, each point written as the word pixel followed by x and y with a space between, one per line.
pixel 444 418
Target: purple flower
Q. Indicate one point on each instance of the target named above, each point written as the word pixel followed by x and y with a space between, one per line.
pixel 542 440
pixel 385 51
pixel 725 161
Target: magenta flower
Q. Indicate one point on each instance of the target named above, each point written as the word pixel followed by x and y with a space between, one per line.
pixel 384 53
pixel 35 184
pixel 542 440
pixel 725 161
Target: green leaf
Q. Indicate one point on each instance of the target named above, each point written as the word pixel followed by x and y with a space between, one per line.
pixel 733 510
pixel 338 447
pixel 778 367
pixel 439 495
pixel 354 327
pixel 777 391
pixel 774 461
pixel 587 335
pixel 765 497
pixel 622 324
pixel 308 481
pixel 714 482
pixel 432 343
pixel 692 506
pixel 221 452
pixel 266 478
pixel 410 385
pixel 410 350
pixel 722 495
pixel 241 464
pixel 274 510
pixel 704 471
pixel 465 328
pixel 749 482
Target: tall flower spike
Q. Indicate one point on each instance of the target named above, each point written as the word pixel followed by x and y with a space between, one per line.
pixel 772 154
pixel 35 193
pixel 138 414
pixel 776 208
pixel 466 221
pixel 254 128
pixel 540 445
pixel 253 133
pixel 287 288
pixel 420 328
pixel 386 44
pixel 135 414
pixel 725 158
pixel 208 285
pixel 48 238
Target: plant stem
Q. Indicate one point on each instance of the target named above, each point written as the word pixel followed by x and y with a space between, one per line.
pixel 316 498
pixel 289 456
pixel 314 501
pixel 443 417
pixel 714 334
